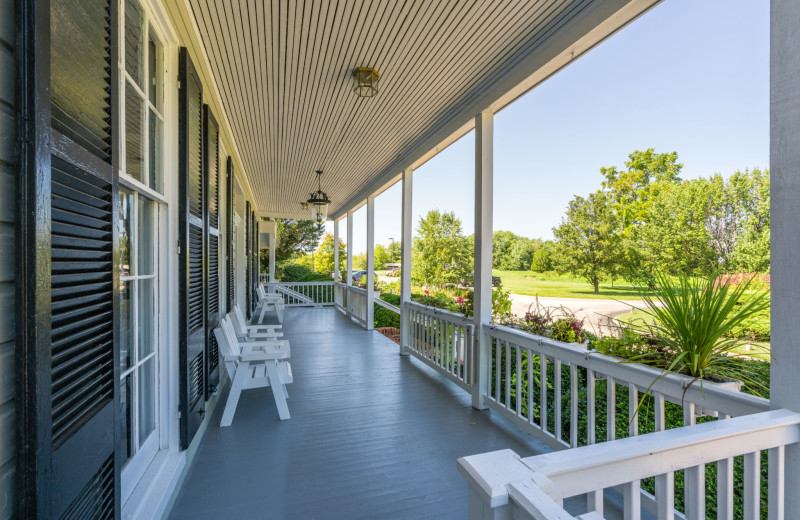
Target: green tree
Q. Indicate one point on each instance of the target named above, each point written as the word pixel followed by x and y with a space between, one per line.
pixel 297 238
pixel 324 255
pixel 511 252
pixel 632 192
pixel 587 239
pixel 751 252
pixel 543 257
pixel 440 252
pixel 381 256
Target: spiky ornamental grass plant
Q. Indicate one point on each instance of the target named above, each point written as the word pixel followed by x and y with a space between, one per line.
pixel 693 317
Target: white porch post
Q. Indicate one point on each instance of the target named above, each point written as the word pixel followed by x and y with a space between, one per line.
pixel 405 260
pixel 482 313
pixel 349 280
pixel 335 250
pixel 273 243
pixel 370 262
pixel 785 233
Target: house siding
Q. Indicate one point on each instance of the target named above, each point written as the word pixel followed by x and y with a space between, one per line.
pixel 7 217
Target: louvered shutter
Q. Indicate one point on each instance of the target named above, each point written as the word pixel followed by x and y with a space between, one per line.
pixel 247 266
pixel 191 263
pixel 67 343
pixel 231 266
pixel 255 259
pixel 211 178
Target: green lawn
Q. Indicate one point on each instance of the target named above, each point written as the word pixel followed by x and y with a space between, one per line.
pixel 563 286
pixel 758 349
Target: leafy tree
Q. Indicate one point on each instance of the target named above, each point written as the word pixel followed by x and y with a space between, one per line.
pixel 543 257
pixel 511 252
pixel 360 262
pixel 440 252
pixel 751 252
pixel 587 239
pixel 324 255
pixel 381 256
pixel 395 251
pixel 632 192
pixel 297 238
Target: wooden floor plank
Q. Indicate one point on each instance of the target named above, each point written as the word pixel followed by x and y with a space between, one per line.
pixel 372 435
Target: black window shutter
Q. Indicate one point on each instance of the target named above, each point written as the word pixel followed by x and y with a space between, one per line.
pixel 229 233
pixel 211 178
pixel 67 327
pixel 248 276
pixel 191 260
pixel 255 260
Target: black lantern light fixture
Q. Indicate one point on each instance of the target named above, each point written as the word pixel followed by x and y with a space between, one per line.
pixel 365 81
pixel 319 202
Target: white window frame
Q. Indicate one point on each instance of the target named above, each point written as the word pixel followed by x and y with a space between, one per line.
pixel 144 453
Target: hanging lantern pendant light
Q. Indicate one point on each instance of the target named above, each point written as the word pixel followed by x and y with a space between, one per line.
pixel 319 202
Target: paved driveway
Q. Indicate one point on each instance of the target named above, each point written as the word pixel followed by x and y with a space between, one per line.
pixel 595 313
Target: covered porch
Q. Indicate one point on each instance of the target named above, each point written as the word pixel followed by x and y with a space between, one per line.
pixel 372 435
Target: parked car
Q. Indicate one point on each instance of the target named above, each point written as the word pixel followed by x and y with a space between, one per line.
pixel 358 276
pixel 393 272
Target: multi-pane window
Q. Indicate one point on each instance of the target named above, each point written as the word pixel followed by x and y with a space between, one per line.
pixel 143 93
pixel 138 236
pixel 141 83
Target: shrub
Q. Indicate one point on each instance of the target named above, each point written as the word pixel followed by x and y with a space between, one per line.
pixel 692 320
pixel 294 272
pixel 385 318
pixel 568 330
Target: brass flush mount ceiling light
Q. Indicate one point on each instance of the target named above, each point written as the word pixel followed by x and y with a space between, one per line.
pixel 365 81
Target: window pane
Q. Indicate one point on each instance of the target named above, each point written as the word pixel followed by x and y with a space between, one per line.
pixel 154 59
pixel 134 41
pixel 147 400
pixel 134 134
pixel 155 153
pixel 146 317
pixel 146 238
pixel 125 441
pixel 125 232
pixel 125 323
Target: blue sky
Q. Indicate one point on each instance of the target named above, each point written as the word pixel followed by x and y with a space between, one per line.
pixel 690 76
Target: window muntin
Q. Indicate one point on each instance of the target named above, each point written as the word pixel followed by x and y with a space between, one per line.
pixel 142 64
pixel 138 320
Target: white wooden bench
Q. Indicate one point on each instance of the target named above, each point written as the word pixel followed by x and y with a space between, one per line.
pixel 252 331
pixel 257 364
pixel 267 300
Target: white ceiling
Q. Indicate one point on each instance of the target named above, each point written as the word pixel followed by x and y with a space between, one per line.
pixel 283 70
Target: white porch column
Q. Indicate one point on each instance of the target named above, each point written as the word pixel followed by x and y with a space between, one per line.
pixel 370 262
pixel 273 243
pixel 785 233
pixel 484 132
pixel 335 250
pixel 349 280
pixel 405 259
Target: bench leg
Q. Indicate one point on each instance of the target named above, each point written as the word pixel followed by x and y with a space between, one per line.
pixel 279 313
pixel 263 311
pixel 277 390
pixel 242 373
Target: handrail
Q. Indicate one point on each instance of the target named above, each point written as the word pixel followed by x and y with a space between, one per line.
pixel 436 312
pixel 675 387
pixel 387 305
pixel 556 476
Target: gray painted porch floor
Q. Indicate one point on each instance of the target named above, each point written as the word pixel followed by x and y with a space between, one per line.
pixel 372 435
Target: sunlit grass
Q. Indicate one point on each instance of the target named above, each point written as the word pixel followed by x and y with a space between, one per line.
pixel 563 286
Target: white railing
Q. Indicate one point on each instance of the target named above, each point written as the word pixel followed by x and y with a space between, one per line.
pixel 535 487
pixel 263 277
pixel 443 340
pixel 303 294
pixel 386 305
pixel 534 380
pixel 352 300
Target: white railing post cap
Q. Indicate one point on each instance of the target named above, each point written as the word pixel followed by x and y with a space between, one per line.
pixel 491 473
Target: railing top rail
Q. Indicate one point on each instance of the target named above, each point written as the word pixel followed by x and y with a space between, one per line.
pixel 288 284
pixel 579 470
pixel 440 313
pixel 673 386
pixel 387 305
pixel 357 290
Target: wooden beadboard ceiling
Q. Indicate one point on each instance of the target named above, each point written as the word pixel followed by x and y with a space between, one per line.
pixel 284 74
